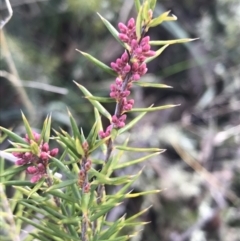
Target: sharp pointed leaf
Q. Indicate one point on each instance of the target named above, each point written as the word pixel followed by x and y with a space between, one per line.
pixel 152 109
pixel 174 41
pixel 157 53
pixel 153 85
pixel 95 103
pixel 98 63
pixel 113 31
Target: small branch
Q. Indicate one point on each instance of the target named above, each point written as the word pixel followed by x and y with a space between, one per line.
pixel 8 17
pixel 9 216
pixel 33 84
pixel 15 80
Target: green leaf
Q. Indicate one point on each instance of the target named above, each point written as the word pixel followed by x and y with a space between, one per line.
pixel 12 135
pixel 36 187
pixel 50 231
pixel 137 5
pixel 101 99
pixel 37 209
pixel 153 85
pixel 92 136
pixel 95 103
pixel 48 130
pixel 71 228
pixel 163 17
pixel 74 126
pixel 100 127
pixel 136 149
pixel 99 143
pixel 139 24
pixel 163 107
pixel 63 196
pixel 157 53
pixel 27 127
pixel 34 148
pixel 18 183
pixel 62 184
pixel 10 150
pixel 79 147
pixel 103 179
pixel 174 41
pixel 39 236
pixel 133 195
pixel 70 144
pixel 113 31
pixel 146 8
pixel 103 211
pixel 153 4
pixel 98 63
pixel 63 168
pixel 136 161
pixel 44 128
pixel 137 215
pixel 133 122
pixel 114 228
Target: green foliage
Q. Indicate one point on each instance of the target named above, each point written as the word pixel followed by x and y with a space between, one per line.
pixel 68 201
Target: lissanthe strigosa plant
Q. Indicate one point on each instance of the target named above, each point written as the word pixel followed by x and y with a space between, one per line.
pixel 65 198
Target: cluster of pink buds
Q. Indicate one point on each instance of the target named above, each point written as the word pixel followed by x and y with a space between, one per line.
pixel 36 163
pixel 82 180
pixel 130 67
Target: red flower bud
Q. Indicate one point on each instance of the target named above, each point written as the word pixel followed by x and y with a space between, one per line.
pixel 54 152
pixel 45 147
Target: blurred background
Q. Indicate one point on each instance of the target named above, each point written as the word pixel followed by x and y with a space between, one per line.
pixel 199 174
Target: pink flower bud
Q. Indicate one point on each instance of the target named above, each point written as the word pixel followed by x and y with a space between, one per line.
pixel 32 170
pixel 146 47
pixel 120 63
pixel 17 154
pixel 131 101
pixel 88 165
pixel 36 178
pixel 131 23
pixel 134 44
pixel 44 156
pixel 125 93
pixel 123 37
pixel 86 188
pixel 123 28
pixel 20 162
pixel 118 82
pixel 123 118
pixel 54 152
pixel 121 124
pixel 114 66
pixel 114 119
pixel 138 50
pixel 41 168
pixel 135 66
pixel 145 40
pixel 125 57
pixel 45 147
pixel 36 136
pixel 113 95
pixel 127 68
pixel 136 77
pixel 101 134
pixel 150 53
pixel 81 174
pixel 85 146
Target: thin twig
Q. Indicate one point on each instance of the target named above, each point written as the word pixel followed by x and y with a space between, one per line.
pixel 16 80
pixel 8 17
pixel 33 84
pixel 9 217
